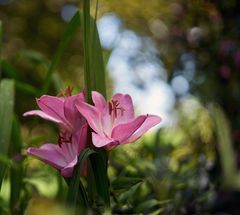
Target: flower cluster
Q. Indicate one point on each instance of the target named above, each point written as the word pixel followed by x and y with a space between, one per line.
pixel 112 123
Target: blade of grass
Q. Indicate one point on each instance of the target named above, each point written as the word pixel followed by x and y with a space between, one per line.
pixel 1 32
pixel 225 148
pixel 27 88
pixel 88 77
pixel 71 29
pixel 98 68
pixel 17 171
pixel 6 114
pixel 10 71
pixel 94 74
pixel 99 167
pixel 75 183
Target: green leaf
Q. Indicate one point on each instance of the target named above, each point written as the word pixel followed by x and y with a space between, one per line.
pixel 98 67
pixel 70 30
pixel 94 68
pixel 94 78
pixel 0 49
pixel 17 170
pixel 125 183
pixel 99 167
pixel 88 76
pixel 147 205
pixel 10 71
pixel 33 56
pixel 225 148
pixel 75 183
pixel 6 114
pixel 27 88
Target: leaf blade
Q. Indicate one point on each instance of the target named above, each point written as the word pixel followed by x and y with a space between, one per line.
pixel 6 114
pixel 70 30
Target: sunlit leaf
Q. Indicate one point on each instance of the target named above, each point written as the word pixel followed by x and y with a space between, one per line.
pixel 16 173
pixel 146 205
pixel 6 114
pixel 225 148
pixel 0 49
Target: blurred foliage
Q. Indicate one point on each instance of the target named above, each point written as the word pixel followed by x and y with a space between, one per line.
pixel 205 33
pixel 191 168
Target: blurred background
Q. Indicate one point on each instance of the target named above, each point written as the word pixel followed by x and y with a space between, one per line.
pixel 179 59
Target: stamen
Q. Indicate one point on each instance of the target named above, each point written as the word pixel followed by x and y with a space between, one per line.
pixel 66 92
pixel 64 137
pixel 114 107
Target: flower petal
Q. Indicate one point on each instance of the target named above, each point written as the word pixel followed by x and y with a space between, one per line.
pixel 99 101
pixel 79 139
pixel 124 131
pixel 49 153
pixel 91 114
pixel 53 106
pixel 42 115
pixel 125 102
pixel 150 121
pixel 70 111
pixel 67 171
pixel 100 141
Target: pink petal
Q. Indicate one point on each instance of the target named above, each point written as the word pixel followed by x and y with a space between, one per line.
pixel 127 104
pixel 99 101
pixel 49 153
pixel 67 171
pixel 82 140
pixel 52 106
pixel 100 141
pixel 150 121
pixel 70 111
pixel 102 106
pixel 91 114
pixel 42 115
pixel 124 131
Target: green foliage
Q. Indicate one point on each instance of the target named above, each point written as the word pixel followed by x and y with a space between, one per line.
pixel 69 32
pixel 167 172
pixel 75 184
pixel 6 116
pixel 17 169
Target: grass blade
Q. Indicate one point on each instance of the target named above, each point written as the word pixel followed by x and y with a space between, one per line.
pixel 10 71
pixel 225 148
pixel 94 74
pixel 71 29
pixel 88 76
pixel 17 172
pixel 99 167
pixel 1 32
pixel 6 114
pixel 75 183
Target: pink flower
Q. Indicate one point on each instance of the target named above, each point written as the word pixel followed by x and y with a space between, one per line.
pixel 73 132
pixel 60 110
pixel 65 156
pixel 114 123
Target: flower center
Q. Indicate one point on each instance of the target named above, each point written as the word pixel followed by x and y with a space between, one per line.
pixel 115 109
pixel 64 137
pixel 66 92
